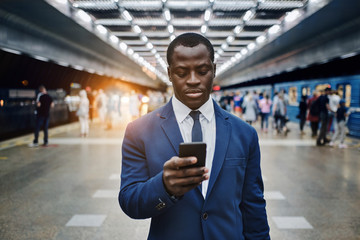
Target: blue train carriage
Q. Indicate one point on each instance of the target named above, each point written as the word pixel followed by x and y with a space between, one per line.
pixel 17 111
pixel 348 88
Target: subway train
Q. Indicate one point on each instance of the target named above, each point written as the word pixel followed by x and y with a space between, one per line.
pixel 348 88
pixel 21 75
pixel 17 115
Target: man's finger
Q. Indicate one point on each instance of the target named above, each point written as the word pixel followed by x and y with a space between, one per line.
pixel 177 162
pixel 185 161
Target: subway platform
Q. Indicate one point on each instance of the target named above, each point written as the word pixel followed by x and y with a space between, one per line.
pixel 68 190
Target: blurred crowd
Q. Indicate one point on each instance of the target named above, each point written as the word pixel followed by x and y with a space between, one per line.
pixel 325 112
pixel 112 107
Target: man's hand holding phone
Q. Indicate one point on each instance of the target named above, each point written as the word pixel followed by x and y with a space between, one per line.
pixel 182 174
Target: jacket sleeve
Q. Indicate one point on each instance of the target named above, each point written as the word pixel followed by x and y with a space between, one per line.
pixel 141 196
pixel 253 202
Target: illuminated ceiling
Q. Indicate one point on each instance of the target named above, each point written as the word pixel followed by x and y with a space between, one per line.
pixel 143 29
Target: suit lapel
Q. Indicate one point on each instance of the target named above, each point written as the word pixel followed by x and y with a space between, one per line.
pixel 223 132
pixel 170 127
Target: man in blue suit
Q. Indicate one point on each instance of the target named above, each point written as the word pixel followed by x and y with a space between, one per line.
pixel 224 199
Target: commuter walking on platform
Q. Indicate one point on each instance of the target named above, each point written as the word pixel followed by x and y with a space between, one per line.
pixel 237 104
pixel 250 107
pixel 265 106
pixel 43 104
pixel 184 201
pixel 91 97
pixel 111 109
pixel 340 130
pixel 134 105
pixel 324 117
pixel 83 114
pixel 313 116
pixel 279 113
pixel 302 113
pixel 101 101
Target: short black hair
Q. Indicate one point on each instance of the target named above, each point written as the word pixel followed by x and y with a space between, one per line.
pixel 189 40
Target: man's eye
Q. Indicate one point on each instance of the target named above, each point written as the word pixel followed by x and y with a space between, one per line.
pixel 203 72
pixel 181 74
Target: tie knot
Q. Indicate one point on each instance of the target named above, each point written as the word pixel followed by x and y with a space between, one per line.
pixel 194 115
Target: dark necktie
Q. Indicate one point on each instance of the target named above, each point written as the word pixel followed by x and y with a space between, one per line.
pixel 196 134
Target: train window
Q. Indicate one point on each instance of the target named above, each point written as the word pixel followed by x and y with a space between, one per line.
pixel 293 96
pixel 341 91
pixel 322 86
pixel 305 91
pixel 347 95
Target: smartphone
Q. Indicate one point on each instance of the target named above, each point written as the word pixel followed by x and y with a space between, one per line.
pixel 194 149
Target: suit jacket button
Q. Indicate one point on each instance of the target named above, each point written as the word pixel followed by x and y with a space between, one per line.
pixel 205 216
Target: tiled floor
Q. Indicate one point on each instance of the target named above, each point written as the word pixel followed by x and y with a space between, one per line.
pixel 69 189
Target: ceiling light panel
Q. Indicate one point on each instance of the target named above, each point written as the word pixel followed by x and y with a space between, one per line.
pixel 233 5
pixel 224 22
pixel 96 5
pixel 156 34
pixel 187 5
pixel 233 49
pixel 112 22
pixel 262 22
pixel 134 42
pixel 150 22
pixel 180 22
pixel 140 49
pixel 126 34
pixel 280 5
pixel 141 5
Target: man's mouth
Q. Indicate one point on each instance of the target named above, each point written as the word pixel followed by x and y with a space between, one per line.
pixel 193 93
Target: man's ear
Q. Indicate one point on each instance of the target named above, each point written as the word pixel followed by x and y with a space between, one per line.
pixel 214 70
pixel 169 73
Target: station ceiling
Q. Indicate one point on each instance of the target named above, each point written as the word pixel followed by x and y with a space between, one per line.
pixel 234 27
pixel 253 39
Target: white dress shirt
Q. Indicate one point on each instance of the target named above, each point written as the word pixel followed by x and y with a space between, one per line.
pixel 208 127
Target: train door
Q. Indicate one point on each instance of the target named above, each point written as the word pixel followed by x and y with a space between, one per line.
pixel 344 91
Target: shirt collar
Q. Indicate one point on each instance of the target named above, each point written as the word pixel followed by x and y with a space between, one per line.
pixel 182 111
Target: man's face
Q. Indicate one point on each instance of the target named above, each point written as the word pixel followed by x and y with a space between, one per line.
pixel 192 73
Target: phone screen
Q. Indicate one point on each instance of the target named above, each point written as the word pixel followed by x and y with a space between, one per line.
pixel 196 149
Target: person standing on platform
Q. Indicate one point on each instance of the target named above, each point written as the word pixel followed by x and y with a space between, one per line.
pixel 324 117
pixel 101 101
pixel 313 117
pixel 237 104
pixel 279 113
pixel 334 100
pixel 83 114
pixel 340 130
pixel 224 199
pixel 302 113
pixel 250 107
pixel 43 104
pixel 134 105
pixel 265 106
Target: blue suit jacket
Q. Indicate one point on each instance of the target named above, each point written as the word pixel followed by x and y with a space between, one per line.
pixel 234 207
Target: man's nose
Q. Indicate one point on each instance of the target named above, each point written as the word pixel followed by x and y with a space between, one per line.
pixel 193 79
